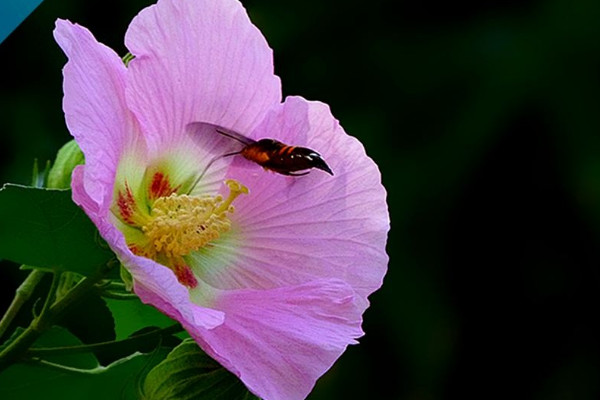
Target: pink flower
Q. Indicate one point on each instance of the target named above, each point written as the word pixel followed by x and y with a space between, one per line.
pixel 272 280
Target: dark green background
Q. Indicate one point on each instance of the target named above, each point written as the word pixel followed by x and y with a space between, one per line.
pixel 484 118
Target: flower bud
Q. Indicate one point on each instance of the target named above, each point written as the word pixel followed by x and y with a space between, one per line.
pixel 67 158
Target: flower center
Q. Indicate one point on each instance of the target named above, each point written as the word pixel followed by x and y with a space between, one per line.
pixel 180 224
pixel 176 225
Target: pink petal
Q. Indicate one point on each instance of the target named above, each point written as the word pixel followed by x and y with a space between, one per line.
pixel 291 230
pixel 198 61
pixel 280 341
pixel 154 283
pixel 94 105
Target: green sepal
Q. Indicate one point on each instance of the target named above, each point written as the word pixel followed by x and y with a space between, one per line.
pixel 189 374
pixel 45 229
pixel 127 59
pixel 126 278
pixel 68 157
pixel 38 178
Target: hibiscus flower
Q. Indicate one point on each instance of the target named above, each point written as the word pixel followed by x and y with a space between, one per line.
pixel 268 273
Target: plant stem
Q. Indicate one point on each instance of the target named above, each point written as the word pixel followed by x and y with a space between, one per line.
pixel 51 292
pixel 19 345
pixel 85 348
pixel 23 293
pixel 117 295
pixel 41 323
pixel 58 308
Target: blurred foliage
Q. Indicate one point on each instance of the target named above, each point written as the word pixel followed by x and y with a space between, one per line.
pixel 483 117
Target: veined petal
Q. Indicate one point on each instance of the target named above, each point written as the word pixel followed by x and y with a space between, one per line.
pixel 290 230
pixel 198 61
pixel 94 105
pixel 280 341
pixel 156 285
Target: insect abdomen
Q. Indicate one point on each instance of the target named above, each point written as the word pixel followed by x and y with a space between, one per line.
pixel 255 152
pixel 276 156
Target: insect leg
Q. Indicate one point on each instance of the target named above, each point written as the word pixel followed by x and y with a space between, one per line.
pixel 291 173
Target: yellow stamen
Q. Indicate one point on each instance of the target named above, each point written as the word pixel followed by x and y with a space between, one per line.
pixel 235 189
pixel 180 224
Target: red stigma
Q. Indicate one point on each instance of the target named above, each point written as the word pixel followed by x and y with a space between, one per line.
pixel 126 204
pixel 135 249
pixel 185 276
pixel 160 186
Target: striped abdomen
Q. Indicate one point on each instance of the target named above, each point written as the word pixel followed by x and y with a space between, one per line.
pixel 287 160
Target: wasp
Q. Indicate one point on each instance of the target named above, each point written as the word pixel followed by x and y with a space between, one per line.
pixel 270 154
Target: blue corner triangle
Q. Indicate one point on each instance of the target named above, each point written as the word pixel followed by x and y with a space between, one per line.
pixel 12 13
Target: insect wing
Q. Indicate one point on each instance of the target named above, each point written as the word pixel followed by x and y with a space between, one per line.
pixel 216 139
pixel 234 135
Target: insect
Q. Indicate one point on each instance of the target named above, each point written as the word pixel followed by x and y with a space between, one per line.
pixel 270 154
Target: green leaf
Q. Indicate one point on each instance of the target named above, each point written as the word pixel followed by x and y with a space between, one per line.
pixel 189 374
pixel 91 321
pixel 119 380
pixel 60 337
pixel 44 228
pixel 132 315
